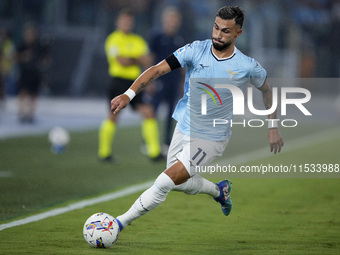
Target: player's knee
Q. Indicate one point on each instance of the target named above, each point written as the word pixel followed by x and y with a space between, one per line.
pixel 178 173
pixel 164 183
pixel 191 186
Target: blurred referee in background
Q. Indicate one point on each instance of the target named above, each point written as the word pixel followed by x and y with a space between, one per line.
pixel 127 53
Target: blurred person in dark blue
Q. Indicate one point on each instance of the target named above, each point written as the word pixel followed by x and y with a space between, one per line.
pixel 33 60
pixel 162 43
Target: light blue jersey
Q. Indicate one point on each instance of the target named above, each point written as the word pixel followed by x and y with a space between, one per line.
pixel 204 71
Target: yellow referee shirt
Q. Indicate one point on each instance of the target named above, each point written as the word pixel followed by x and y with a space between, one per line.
pixel 119 44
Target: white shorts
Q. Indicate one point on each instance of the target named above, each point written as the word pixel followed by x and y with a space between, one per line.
pixel 193 152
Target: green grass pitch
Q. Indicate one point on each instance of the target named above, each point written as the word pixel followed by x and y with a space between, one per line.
pixel 270 215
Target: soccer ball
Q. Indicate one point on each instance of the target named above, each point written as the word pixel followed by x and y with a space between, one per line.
pixel 101 230
pixel 59 138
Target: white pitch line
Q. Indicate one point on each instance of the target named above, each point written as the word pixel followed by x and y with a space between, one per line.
pixel 79 205
pixel 6 174
pixel 295 144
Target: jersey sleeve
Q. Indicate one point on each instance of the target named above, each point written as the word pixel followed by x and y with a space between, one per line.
pixel 257 74
pixel 185 54
pixel 173 62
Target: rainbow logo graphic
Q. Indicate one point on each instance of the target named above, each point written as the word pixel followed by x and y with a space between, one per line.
pixel 204 98
pixel 209 93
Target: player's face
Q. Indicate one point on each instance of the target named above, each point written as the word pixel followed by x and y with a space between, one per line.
pixel 125 23
pixel 171 22
pixel 225 33
pixel 30 35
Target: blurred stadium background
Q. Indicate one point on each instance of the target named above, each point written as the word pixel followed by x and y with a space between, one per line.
pixel 290 38
pixel 296 41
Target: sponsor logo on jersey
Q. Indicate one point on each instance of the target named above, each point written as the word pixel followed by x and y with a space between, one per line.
pixel 179 51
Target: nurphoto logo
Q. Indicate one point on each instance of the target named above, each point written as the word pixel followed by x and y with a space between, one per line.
pixel 239 104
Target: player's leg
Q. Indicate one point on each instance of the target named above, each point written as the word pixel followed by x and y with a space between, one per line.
pixel 150 129
pixel 184 149
pixel 198 153
pixel 33 97
pixel 180 149
pixel 33 92
pixel 33 84
pixel 107 129
pixel 176 176
pixel 156 194
pixel 219 191
pixel 198 185
pixel 22 97
pixel 106 135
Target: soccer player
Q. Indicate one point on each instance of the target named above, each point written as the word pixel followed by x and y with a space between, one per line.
pixel 33 59
pixel 213 58
pixel 126 53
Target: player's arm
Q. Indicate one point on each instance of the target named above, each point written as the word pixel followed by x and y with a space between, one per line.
pixel 126 61
pixel 145 61
pixel 274 136
pixel 145 79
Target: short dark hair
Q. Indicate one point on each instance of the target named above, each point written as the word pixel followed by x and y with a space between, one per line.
pixel 231 12
pixel 126 11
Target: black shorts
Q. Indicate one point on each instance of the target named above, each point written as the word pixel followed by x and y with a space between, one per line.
pixel 30 82
pixel 118 86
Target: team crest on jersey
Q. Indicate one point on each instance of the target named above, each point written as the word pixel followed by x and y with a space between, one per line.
pixel 231 73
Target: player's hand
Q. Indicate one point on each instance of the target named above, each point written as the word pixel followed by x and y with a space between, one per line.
pixel 275 140
pixel 119 102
